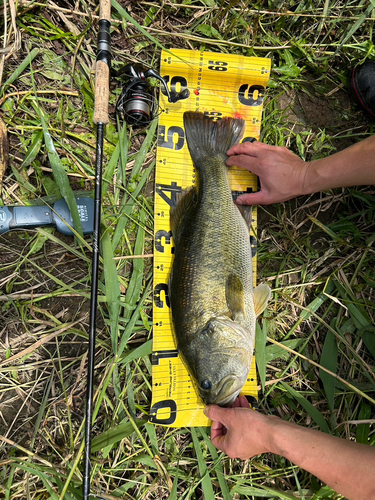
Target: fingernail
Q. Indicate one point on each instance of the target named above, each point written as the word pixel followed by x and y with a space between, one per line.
pixel 239 201
pixel 206 410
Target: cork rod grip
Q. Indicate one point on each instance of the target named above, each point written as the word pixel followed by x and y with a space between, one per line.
pixel 105 10
pixel 101 93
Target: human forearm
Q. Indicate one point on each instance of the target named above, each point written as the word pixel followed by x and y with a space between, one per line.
pixel 345 466
pixel 353 166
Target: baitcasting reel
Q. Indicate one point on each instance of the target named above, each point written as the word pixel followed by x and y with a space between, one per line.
pixel 137 104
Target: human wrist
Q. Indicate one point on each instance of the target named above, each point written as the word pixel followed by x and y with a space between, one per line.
pixel 316 177
pixel 270 430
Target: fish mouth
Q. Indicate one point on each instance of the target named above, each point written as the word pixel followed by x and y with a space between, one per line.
pixel 231 384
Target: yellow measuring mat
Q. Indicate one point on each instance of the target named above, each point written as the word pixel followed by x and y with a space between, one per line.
pixel 219 85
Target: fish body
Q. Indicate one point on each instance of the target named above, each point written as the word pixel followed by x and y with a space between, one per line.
pixel 211 283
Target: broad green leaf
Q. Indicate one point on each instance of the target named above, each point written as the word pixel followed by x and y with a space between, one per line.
pixel 139 352
pixel 261 492
pixel 25 64
pixel 350 31
pixel 112 287
pixel 38 242
pixel 363 430
pixel 311 308
pixel 151 431
pixel 110 169
pixel 260 351
pixel 308 407
pixel 202 465
pixel 136 280
pixel 130 326
pixel 127 206
pixel 326 229
pixel 324 492
pixel 356 310
pixel 328 360
pixel 22 181
pixel 124 14
pixel 59 173
pixel 34 148
pixel 45 478
pixel 218 467
pixel 115 434
pixel 274 351
pixel 173 495
pixel 368 336
pixel 146 460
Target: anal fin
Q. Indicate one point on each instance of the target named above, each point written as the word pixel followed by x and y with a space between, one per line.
pixel 247 213
pixel 261 294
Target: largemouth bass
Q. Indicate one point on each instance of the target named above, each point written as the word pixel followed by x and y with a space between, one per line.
pixel 213 302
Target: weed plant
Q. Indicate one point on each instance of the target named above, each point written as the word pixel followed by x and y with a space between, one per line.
pixel 316 344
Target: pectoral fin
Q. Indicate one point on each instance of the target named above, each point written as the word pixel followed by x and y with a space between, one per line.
pixel 261 294
pixel 235 296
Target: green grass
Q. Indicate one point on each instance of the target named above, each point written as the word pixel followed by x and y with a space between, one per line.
pixel 316 342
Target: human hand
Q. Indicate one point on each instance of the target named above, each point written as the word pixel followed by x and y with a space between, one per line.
pixel 239 431
pixel 282 174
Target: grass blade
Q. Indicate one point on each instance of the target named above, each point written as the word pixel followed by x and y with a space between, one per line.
pixel 363 430
pixel 308 407
pixel 329 359
pixel 116 434
pixel 59 173
pixel 204 474
pixel 21 68
pixel 274 351
pixel 136 281
pixel 218 467
pixel 36 143
pixel 260 351
pixel 112 288
pixel 140 352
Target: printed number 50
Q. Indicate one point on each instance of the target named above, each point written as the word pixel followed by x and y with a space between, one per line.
pixel 166 138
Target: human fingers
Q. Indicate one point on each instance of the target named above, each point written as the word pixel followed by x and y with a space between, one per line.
pixel 236 403
pixel 247 162
pixel 259 198
pixel 217 430
pixel 243 402
pixel 218 414
pixel 246 148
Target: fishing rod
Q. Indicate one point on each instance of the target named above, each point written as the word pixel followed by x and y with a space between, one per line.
pixel 100 118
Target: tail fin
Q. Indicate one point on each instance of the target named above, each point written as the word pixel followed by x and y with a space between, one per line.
pixel 213 138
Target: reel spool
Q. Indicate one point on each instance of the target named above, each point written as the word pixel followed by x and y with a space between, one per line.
pixel 137 104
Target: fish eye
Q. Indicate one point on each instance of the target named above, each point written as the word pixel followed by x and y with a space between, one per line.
pixel 206 385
